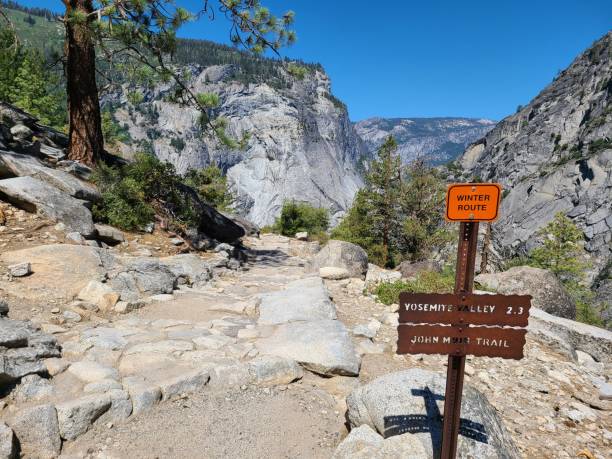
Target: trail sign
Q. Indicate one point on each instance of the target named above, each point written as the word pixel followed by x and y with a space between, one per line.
pixel 506 343
pixel 466 308
pixel 463 323
pixel 473 202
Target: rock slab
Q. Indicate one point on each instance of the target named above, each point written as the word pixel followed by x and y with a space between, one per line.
pixel 304 299
pixel 322 346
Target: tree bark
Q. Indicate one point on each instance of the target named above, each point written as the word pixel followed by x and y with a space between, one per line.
pixel 86 143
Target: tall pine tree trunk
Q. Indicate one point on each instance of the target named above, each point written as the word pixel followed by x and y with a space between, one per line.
pixel 86 142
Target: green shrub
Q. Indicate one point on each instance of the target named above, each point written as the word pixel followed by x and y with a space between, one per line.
pixel 134 193
pixel 211 185
pixel 123 200
pixel 425 282
pixel 296 217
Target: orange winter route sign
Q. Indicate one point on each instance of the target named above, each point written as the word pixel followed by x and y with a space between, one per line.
pixel 472 202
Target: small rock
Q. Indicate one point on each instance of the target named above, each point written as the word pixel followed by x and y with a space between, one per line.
pixel 368 330
pixel 51 328
pixel 184 384
pixel 124 307
pixel 76 416
pixel 302 236
pixel 390 318
pixel 177 241
pixel 21 131
pixel 55 311
pixel 94 291
pixel 56 366
pixel 224 247
pixel 109 234
pixel 72 316
pixel 75 236
pixel 108 301
pixel 37 430
pixel 605 391
pixel 274 370
pixel 144 395
pixel 33 388
pixel 333 273
pixel 20 269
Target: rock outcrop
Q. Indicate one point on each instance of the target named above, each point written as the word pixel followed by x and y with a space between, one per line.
pixel 437 140
pixel 555 155
pixel 302 145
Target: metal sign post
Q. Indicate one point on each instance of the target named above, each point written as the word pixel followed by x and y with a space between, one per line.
pixel 463 323
pixel 464 281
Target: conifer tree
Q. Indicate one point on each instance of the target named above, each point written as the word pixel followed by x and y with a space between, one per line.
pixel 397 215
pixel 144 31
pixel 30 90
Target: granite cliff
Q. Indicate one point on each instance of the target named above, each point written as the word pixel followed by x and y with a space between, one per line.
pixel 555 155
pixel 302 145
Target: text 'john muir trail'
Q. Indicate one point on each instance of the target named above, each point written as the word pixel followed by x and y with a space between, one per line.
pixel 486 342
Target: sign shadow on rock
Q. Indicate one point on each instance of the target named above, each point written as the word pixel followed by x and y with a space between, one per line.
pixel 431 423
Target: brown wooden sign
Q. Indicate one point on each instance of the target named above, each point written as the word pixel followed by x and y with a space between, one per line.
pixel 506 343
pixel 466 308
pixel 473 202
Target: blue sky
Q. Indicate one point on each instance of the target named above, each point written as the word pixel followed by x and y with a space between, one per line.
pixel 405 58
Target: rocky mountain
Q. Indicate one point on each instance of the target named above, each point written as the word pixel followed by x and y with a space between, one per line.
pixel 302 145
pixel 438 139
pixel 555 155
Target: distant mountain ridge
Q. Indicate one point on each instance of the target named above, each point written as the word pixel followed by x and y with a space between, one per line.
pixel 439 140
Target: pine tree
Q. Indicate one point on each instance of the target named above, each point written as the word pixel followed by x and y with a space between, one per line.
pixel 11 55
pixel 384 186
pixel 560 251
pixel 145 32
pixel 30 90
pixel 422 203
pixel 397 215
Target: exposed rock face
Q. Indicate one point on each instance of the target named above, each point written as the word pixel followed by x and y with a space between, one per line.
pixel 412 400
pixel 302 144
pixel 547 292
pixel 437 139
pixel 555 155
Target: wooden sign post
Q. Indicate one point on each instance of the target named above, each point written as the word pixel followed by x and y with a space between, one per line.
pixel 462 323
